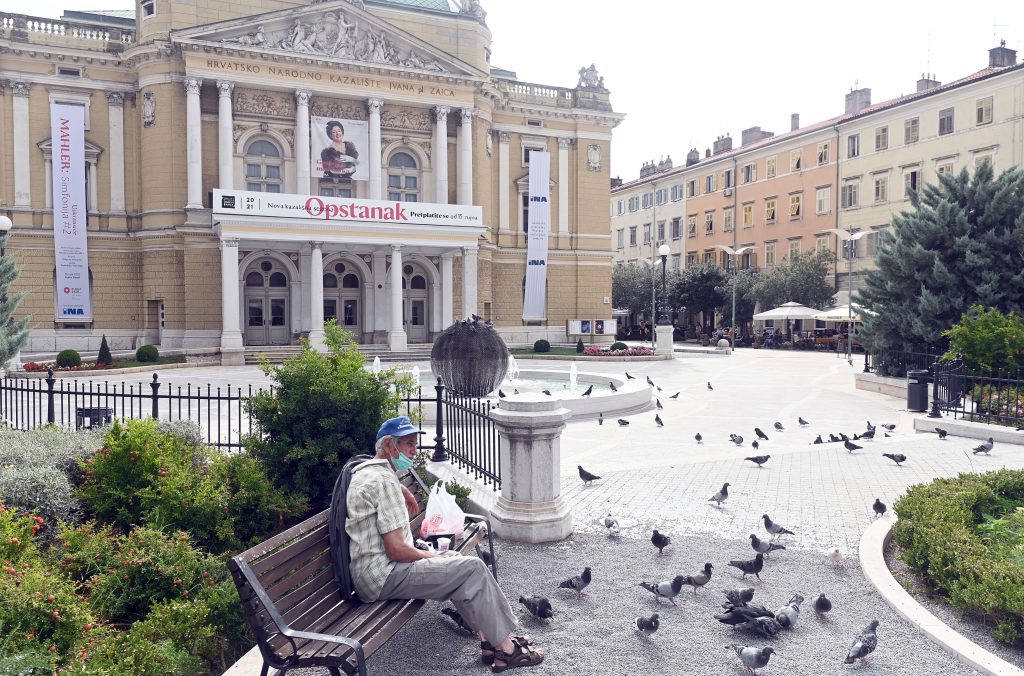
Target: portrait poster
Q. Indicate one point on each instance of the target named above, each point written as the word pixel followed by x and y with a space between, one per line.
pixel 70 238
pixel 338 149
pixel 585 327
pixel 598 327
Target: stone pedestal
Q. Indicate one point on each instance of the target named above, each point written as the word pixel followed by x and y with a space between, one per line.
pixel 663 340
pixel 531 508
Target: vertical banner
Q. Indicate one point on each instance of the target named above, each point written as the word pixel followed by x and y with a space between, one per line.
pixel 538 220
pixel 338 149
pixel 67 127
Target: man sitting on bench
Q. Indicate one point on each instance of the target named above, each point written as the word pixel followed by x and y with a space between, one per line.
pixel 386 565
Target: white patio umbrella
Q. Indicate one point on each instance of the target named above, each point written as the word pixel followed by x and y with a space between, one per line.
pixel 839 313
pixel 788 312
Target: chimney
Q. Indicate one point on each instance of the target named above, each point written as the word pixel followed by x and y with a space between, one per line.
pixel 927 82
pixel 722 144
pixel 665 164
pixel 692 157
pixel 794 121
pixel 647 169
pixel 707 153
pixel 753 135
pixel 616 182
pixel 857 100
pixel 1002 56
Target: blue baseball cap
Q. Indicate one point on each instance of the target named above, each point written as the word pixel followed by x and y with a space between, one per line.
pixel 397 427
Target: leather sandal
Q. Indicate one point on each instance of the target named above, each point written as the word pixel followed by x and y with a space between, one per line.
pixel 487 650
pixel 522 655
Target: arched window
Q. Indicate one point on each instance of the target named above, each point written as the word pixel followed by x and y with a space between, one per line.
pixel 330 281
pixel 350 281
pixel 403 178
pixel 254 279
pixel 418 282
pixel 263 171
pixel 278 279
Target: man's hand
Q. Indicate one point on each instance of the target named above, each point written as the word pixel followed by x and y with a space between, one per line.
pixel 410 501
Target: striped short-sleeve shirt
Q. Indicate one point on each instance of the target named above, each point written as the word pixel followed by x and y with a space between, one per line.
pixel 375 506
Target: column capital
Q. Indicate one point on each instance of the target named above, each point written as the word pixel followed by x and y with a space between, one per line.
pixel 467 114
pixel 504 137
pixel 448 255
pixel 374 106
pixel 303 96
pixel 225 87
pixel 396 248
pixel 314 245
pixel 115 99
pixel 564 143
pixel 192 85
pixel 442 112
pixel 470 250
pixel 230 242
pixel 20 88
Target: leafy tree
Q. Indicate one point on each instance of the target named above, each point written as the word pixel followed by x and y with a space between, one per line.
pixel 13 333
pixel 698 288
pixel 803 279
pixel 988 340
pixel 745 303
pixel 631 287
pixel 962 244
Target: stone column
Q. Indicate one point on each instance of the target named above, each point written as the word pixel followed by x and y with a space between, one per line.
pixel 465 168
pixel 303 309
pixel 368 319
pixel 22 158
pixel 441 155
pixel 504 211
pixel 232 353
pixel 531 508
pixel 193 144
pixel 94 192
pixel 435 308
pixel 115 113
pixel 381 316
pixel 397 340
pixel 663 341
pixel 225 136
pixel 316 296
pixel 303 177
pixel 447 291
pixel 374 106
pixel 48 182
pixel 469 281
pixel 563 185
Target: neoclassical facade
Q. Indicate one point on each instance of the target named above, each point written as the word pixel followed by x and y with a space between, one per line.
pixel 196 110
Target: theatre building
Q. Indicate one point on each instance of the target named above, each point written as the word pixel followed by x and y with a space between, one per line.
pixel 245 176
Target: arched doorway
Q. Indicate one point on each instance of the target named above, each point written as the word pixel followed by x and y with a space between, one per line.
pixel 266 303
pixel 414 303
pixel 342 292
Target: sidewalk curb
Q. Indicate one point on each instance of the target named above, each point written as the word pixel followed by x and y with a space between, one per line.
pixel 872 561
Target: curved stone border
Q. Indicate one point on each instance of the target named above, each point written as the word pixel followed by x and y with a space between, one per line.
pixel 872 561
pixel 581 357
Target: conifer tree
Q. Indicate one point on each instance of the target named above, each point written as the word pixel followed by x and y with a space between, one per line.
pixel 13 333
pixel 104 357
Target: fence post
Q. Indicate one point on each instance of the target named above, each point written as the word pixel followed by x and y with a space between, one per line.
pixel 156 402
pixel 440 455
pixel 50 417
pixel 867 369
pixel 935 412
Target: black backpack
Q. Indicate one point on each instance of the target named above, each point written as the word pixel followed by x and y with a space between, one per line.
pixel 336 525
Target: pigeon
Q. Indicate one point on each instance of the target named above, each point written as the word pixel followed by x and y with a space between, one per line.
pixel 669 589
pixel 887 435
pixel 750 567
pixel 629 377
pixel 833 438
pixel 856 437
pixel 612 386
pixel 760 434
pixel 870 434
pixel 577 583
pixel 700 579
pixel 515 391
pixel 699 438
pixel 501 395
pixel 788 614
pixel 879 508
pixel 864 644
pixel 774 528
pixel 721 496
pixel 763 547
pixel 888 427
pixel 547 392
pixel 896 458
pixel 660 541
pixel 674 396
pixel 485 555
pixel 754 445
pixel 850 446
pixel 765 626
pixel 759 459
pixel 709 386
pixel 623 422
pixel 657 403
pixel 818 440
pixel 753 658
pixel 843 437
pixel 600 418
pixel 736 615
pixel 779 427
pixel 650 382
pixel 658 387
pixel 538 606
pixel 941 432
pixel 834 556
pixel 736 439
pixel 612 524
pixel 821 606
pixel 657 420
pixel 647 626
pixel 803 423
pixel 588 391
pixel 586 476
pixel 458 620
pixel 985 448
pixel 738 597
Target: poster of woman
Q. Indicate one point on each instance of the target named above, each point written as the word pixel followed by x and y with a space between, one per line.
pixel 337 149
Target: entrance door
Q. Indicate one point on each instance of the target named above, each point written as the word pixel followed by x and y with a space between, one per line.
pixel 266 304
pixel 341 298
pixel 255 320
pixel 414 304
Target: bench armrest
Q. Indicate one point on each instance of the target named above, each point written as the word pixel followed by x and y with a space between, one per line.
pixel 356 646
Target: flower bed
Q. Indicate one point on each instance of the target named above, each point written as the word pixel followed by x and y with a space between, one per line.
pixel 597 351
pixel 41 366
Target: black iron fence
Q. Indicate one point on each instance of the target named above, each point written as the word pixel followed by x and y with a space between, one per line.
pixel 896 363
pixel 995 398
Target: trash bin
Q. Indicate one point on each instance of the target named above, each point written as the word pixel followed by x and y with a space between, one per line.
pixel 917 390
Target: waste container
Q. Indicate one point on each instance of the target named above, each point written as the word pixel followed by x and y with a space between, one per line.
pixel 917 390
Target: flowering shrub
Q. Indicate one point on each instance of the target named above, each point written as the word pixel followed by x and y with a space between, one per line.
pixel 597 351
pixel 41 366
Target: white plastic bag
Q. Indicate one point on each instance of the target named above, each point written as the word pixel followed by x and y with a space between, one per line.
pixel 443 515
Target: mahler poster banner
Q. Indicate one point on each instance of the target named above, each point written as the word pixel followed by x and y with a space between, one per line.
pixel 67 126
pixel 539 225
pixel 339 149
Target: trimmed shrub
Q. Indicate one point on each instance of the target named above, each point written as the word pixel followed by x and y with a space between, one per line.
pixel 579 346
pixel 69 359
pixel 618 346
pixel 147 353
pixel 988 340
pixel 104 358
pixel 542 346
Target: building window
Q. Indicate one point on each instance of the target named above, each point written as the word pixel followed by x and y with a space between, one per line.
pixel 794 249
pixel 677 192
pixel 728 221
pixel 881 189
pixel 820 243
pixel 661 197
pixel 709 223
pixel 769 167
pixel 727 175
pixel 853 145
pixel 620 208
pixel 794 160
pixel 981 159
pixel 148 8
pixel 749 173
pixel 823 199
pixel 911 130
pixel 676 259
pixel 984 110
pixel 709 258
pixel 691 260
pixel 945 121
pixel 632 235
pixel 769 253
pixel 661 231
pixel 621 238
pixel 911 181
pixel 634 204
pixel 527 149
pixel 769 211
pixel 748 215
pixel 647 233
pixel 795 206
pixel 677 227
pixel 850 195
pixel 881 138
pixel 524 211
pixel 263 171
pixel 329 189
pixel 403 178
pixel 691 188
pixel 691 225
pixel 823 153
pixel 944 168
pixel 648 201
pixel 709 183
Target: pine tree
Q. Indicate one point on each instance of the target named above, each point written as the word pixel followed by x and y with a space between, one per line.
pixel 13 333
pixel 961 244
pixel 104 357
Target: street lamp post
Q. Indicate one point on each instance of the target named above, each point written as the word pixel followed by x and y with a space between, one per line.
pixel 663 251
pixel 735 264
pixel 849 240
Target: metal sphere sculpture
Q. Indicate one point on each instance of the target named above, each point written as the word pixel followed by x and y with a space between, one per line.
pixel 470 357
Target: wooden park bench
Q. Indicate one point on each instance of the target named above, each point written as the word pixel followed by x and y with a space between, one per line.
pixel 295 608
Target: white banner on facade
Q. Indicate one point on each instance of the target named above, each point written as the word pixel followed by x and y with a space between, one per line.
pixel 339 149
pixel 67 126
pixel 539 225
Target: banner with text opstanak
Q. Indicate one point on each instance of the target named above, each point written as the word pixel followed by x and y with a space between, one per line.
pixel 538 220
pixel 67 127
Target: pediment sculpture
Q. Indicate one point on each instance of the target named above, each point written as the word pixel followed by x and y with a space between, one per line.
pixel 590 79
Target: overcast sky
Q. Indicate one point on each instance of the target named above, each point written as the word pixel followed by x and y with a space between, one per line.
pixel 687 72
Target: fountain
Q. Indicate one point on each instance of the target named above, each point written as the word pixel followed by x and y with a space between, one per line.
pixel 416 375
pixel 376 365
pixel 513 369
pixel 573 377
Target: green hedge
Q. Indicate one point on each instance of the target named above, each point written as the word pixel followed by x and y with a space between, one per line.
pixel 542 346
pixel 945 530
pixel 618 346
pixel 69 359
pixel 147 353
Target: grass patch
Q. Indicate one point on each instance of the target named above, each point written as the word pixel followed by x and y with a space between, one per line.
pixel 563 351
pixel 129 363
